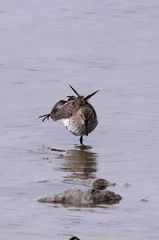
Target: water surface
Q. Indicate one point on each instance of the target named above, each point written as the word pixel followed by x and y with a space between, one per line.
pixel 106 45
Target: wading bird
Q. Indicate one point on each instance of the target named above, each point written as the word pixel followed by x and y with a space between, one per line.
pixel 77 114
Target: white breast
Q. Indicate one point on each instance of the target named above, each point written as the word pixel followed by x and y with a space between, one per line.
pixel 66 122
pixel 73 128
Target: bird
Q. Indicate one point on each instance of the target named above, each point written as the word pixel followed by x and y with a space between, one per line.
pixel 77 114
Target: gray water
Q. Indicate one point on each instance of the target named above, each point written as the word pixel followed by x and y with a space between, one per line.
pixel 108 45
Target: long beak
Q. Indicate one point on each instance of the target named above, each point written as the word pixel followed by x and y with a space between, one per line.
pixel 90 95
pixel 75 91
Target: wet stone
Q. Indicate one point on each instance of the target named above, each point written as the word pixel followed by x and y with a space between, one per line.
pixel 144 200
pixel 76 197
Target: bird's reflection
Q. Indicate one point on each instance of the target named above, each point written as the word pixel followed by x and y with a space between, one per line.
pixel 80 161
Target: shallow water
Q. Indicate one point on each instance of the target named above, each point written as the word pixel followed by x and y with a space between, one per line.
pixel 106 45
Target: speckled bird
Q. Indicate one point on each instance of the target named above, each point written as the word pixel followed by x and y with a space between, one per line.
pixel 77 114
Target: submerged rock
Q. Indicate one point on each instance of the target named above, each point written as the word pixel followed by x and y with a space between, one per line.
pixel 144 200
pixel 76 197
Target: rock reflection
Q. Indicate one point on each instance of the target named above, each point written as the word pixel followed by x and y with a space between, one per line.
pixel 80 161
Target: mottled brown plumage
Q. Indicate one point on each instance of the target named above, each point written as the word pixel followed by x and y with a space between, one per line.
pixel 77 113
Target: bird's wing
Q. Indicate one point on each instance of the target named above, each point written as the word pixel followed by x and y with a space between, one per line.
pixel 63 111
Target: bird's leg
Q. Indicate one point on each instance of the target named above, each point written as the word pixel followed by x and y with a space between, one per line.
pixel 86 125
pixel 81 140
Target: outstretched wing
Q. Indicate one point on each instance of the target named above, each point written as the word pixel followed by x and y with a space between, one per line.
pixel 64 110
pixel 55 109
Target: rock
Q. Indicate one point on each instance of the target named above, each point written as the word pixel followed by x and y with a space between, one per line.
pixel 100 184
pixel 143 200
pixel 127 185
pixel 105 197
pixel 76 197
